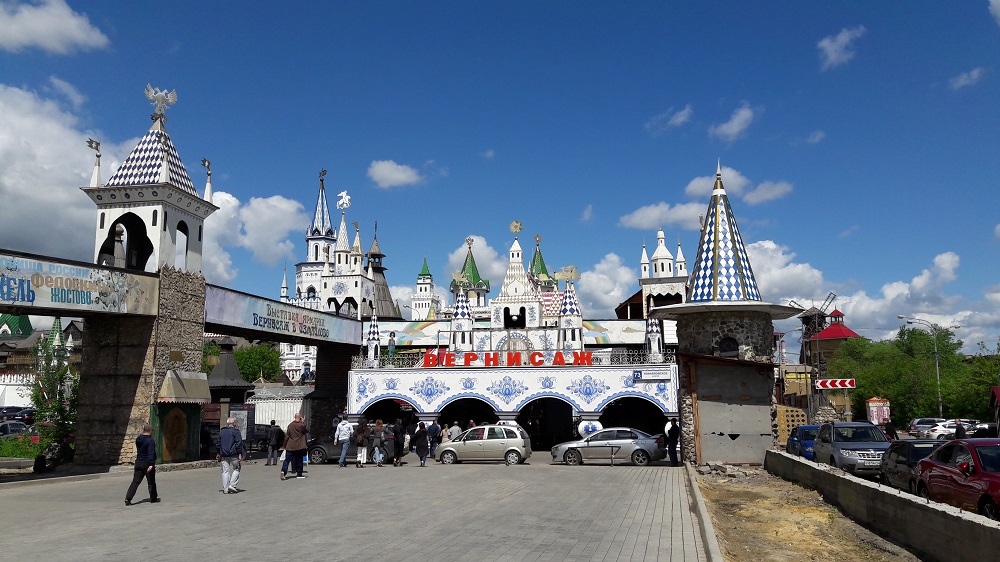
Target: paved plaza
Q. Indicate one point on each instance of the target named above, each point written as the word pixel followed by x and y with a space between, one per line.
pixel 477 512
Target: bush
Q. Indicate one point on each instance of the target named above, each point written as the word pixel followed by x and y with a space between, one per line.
pixel 13 447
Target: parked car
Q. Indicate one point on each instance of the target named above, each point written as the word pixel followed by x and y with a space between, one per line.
pixel 12 428
pixel 26 415
pixel 964 473
pixel 855 447
pixel 946 429
pixel 918 425
pixel 8 412
pixel 981 430
pixel 487 443
pixel 899 463
pixel 800 441
pixel 622 444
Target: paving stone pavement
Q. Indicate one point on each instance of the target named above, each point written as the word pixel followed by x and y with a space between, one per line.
pixel 476 512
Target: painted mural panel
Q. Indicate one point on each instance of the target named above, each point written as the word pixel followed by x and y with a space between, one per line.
pixel 586 389
pixel 435 333
pixel 240 310
pixel 35 281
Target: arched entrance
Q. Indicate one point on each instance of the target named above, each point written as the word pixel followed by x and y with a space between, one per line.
pixel 465 409
pixel 138 248
pixel 548 421
pixel 388 410
pixel 633 412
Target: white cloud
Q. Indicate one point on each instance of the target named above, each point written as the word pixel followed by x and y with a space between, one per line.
pixel 387 173
pixel 489 262
pixel 588 213
pixel 849 231
pixel 701 186
pixel 996 231
pixel 815 137
pixel 684 215
pixel 606 285
pixel 767 191
pixel 835 50
pixel 738 123
pixel 489 154
pixel 222 228
pixel 69 91
pixel 401 294
pixel 965 79
pixel 995 10
pixel 49 25
pixel 669 118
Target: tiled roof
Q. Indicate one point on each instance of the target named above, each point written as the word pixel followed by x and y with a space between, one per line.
pixel 722 271
pixel 570 305
pixel 322 226
pixel 462 308
pixel 142 167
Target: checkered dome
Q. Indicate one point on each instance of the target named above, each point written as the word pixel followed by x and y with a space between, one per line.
pixel 722 272
pixel 462 307
pixel 373 332
pixel 142 167
pixel 570 305
pixel 653 326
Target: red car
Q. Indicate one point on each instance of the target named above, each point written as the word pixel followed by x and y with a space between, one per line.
pixel 964 473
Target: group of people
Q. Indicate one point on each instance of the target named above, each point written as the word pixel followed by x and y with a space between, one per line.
pixel 382 442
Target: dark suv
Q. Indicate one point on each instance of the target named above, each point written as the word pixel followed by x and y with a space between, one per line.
pixel 856 447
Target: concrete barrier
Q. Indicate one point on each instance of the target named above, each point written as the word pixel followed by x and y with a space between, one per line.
pixel 933 531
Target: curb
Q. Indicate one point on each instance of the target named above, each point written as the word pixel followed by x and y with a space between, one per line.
pixel 712 550
pixel 113 472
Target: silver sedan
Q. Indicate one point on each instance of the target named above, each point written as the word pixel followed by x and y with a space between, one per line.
pixel 614 444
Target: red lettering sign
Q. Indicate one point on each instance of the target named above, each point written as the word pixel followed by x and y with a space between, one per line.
pixel 536 358
pixel 558 359
pixel 492 359
pixel 430 360
pixel 513 359
pixel 583 358
pixel 469 358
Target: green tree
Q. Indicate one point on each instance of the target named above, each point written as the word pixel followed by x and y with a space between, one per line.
pixel 255 361
pixel 54 393
pixel 209 350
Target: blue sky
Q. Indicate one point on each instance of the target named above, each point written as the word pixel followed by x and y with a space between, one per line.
pixel 858 141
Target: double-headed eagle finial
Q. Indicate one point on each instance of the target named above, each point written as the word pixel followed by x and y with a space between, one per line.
pixel 161 99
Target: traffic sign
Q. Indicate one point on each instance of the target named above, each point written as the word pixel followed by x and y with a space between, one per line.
pixel 823 384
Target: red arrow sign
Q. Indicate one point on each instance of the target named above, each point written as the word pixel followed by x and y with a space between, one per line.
pixel 834 383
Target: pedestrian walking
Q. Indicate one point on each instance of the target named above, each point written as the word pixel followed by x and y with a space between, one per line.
pixel 472 424
pixel 422 447
pixel 275 438
pixel 295 446
pixel 673 435
pixel 230 446
pixel 455 430
pixel 361 440
pixel 445 433
pixel 890 430
pixel 433 436
pixel 377 440
pixel 960 432
pixel 145 465
pixel 399 438
pixel 343 438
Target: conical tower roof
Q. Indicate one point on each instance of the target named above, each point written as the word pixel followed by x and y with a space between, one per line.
pixel 424 271
pixel 322 225
pixel 144 163
pixel 538 268
pixel 722 271
pixel 570 304
pixel 56 340
pixel 18 326
pixel 462 308
pixel 469 270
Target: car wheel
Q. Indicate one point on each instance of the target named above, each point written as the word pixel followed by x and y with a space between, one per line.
pixel 317 456
pixel 987 508
pixel 923 492
pixel 640 458
pixel 448 457
pixel 572 457
pixel 512 457
pixel 912 487
pixel 833 461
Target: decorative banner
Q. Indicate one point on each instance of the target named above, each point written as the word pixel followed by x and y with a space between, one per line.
pixel 36 282
pixel 825 384
pixel 240 310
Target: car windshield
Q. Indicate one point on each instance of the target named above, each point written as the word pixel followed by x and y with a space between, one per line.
pixel 989 457
pixel 861 434
pixel 921 450
pixel 808 434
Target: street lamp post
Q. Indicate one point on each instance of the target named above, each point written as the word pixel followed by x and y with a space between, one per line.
pixel 933 328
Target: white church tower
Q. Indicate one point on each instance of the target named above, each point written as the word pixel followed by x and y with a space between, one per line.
pixel 149 210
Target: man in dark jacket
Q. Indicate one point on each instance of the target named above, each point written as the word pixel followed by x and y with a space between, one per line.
pixel 433 436
pixel 673 435
pixel 230 446
pixel 960 432
pixel 275 438
pixel 145 465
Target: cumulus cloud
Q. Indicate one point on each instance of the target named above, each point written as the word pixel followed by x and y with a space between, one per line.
pixel 701 186
pixel 767 191
pixel 995 10
pixel 815 137
pixel 68 91
pixel 604 286
pixel 684 215
pixel 835 50
pixel 588 213
pixel 668 119
pixel 49 25
pixel 738 123
pixel 966 79
pixel 489 262
pixel 387 173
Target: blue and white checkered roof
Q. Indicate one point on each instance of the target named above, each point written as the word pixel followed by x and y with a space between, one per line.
pixel 142 167
pixel 462 308
pixel 722 271
pixel 653 326
pixel 373 336
pixel 570 305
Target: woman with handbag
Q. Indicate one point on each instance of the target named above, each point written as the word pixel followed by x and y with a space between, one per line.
pixel 377 441
pixel 361 440
pixel 422 445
